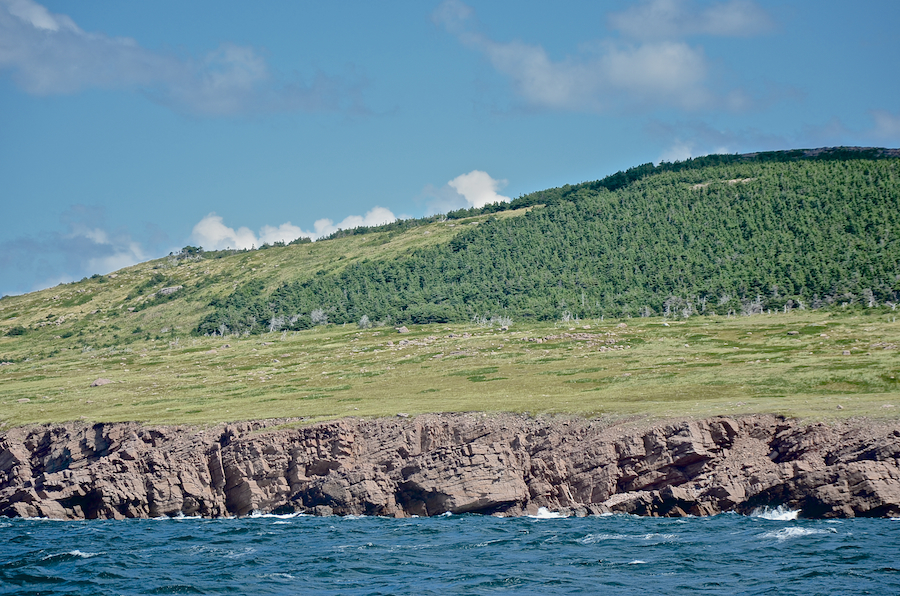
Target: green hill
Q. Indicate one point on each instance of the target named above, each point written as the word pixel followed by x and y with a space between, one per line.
pixel 741 236
pixel 599 282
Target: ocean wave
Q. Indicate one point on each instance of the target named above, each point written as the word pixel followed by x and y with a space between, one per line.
pixel 283 576
pixel 544 513
pixel 795 532
pixel 780 513
pixel 179 517
pixel 70 555
pixel 595 538
pixel 239 554
pixel 260 515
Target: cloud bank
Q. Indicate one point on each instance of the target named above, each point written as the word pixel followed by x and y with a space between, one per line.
pixel 50 54
pixel 650 65
pixel 212 234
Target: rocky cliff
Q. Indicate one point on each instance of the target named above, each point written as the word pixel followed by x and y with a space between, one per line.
pixel 459 463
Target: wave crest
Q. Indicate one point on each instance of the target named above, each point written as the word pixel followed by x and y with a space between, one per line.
pixel 780 513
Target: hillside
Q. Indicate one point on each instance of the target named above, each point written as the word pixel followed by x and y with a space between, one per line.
pixel 806 242
pixel 740 237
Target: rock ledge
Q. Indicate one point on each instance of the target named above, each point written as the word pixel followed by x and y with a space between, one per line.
pixel 433 464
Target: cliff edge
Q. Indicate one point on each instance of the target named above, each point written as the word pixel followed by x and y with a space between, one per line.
pixel 457 463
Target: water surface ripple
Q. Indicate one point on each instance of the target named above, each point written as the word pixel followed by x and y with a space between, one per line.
pixel 468 554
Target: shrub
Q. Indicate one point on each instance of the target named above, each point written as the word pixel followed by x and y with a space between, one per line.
pixel 318 317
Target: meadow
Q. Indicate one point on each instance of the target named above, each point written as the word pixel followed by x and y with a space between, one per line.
pixel 813 365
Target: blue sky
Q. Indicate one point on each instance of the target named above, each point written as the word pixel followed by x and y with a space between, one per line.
pixel 131 129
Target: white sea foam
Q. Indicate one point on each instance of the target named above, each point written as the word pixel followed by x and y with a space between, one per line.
pixel 72 553
pixel 82 554
pixel 637 562
pixel 780 513
pixel 258 515
pixel 659 536
pixel 286 576
pixel 795 532
pixel 594 538
pixel 179 517
pixel 488 543
pixel 544 513
pixel 239 554
pixel 446 514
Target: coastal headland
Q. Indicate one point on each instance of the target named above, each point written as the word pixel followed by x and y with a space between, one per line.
pixel 685 338
pixel 458 463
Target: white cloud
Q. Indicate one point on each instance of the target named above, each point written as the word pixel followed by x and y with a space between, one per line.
pixel 87 246
pixel 475 189
pixel 669 71
pixel 212 234
pixel 679 151
pixel 39 17
pixel 123 257
pixel 286 232
pixel 608 74
pixel 478 189
pixel 887 125
pixel 49 54
pixel 374 217
pixel 675 19
pixel 117 251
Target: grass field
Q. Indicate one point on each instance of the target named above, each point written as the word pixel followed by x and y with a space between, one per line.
pixel 807 364
pixel 810 364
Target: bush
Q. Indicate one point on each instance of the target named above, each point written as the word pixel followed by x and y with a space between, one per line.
pixel 17 330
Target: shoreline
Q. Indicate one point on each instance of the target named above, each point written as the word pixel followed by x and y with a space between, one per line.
pixel 432 464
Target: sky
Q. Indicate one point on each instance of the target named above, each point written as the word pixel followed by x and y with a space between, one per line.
pixel 131 129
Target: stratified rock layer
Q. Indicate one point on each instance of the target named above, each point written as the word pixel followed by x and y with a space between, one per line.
pixel 458 463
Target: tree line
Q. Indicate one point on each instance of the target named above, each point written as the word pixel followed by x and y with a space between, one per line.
pixel 719 235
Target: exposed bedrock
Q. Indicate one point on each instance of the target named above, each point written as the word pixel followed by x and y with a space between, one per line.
pixel 459 463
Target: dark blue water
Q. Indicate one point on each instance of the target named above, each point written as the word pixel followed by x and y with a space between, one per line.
pixel 725 554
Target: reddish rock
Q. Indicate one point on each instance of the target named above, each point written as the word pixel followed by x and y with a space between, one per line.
pixel 459 463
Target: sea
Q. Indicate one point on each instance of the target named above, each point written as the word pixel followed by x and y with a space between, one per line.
pixel 770 552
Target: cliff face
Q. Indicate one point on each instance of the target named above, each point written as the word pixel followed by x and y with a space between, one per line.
pixel 458 463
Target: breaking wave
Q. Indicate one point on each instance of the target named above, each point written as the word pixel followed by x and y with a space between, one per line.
pixel 544 513
pixel 780 513
pixel 796 532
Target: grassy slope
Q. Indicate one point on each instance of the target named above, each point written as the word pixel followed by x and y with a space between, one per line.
pixel 161 373
pixel 701 366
